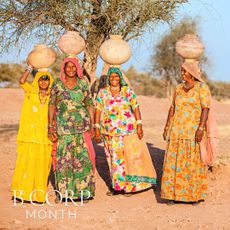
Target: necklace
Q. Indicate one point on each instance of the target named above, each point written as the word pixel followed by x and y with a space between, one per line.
pixel 115 89
pixel 70 84
pixel 43 95
pixel 188 87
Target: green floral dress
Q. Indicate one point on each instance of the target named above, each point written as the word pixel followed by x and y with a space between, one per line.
pixel 74 171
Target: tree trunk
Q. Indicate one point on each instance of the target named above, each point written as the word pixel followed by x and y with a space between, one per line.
pixel 93 43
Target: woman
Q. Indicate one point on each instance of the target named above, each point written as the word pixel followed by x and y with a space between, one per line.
pixel 184 174
pixel 33 147
pixel 71 107
pixel 118 118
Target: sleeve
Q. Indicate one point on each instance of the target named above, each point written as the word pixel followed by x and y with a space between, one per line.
pixel 205 95
pixel 99 100
pixel 53 94
pixel 88 97
pixel 132 98
pixel 26 86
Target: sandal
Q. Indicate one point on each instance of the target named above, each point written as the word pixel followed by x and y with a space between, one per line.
pixel 128 194
pixel 110 193
pixel 195 203
pixel 57 200
pixel 170 202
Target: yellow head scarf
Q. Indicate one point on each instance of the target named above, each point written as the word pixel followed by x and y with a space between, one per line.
pixel 35 86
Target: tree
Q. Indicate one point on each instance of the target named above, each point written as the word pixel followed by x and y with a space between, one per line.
pixel 165 61
pixel 46 20
pixel 10 72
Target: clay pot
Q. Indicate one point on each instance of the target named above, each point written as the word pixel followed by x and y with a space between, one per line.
pixel 41 56
pixel 115 51
pixel 189 47
pixel 71 43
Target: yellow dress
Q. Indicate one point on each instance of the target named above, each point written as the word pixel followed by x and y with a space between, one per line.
pixel 33 146
pixel 184 174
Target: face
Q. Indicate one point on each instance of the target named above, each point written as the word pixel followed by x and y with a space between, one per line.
pixel 70 70
pixel 114 79
pixel 186 76
pixel 44 83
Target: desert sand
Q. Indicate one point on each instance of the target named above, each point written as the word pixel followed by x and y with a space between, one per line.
pixel 144 210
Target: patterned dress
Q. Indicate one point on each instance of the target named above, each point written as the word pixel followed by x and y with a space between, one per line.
pixel 184 174
pixel 130 166
pixel 74 170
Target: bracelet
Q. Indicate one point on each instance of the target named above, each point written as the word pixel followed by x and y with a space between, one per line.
pixel 50 126
pixel 139 122
pixel 97 126
pixel 29 68
pixel 201 128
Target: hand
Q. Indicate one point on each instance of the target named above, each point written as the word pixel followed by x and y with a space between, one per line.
pixel 199 135
pixel 92 132
pixel 29 68
pixel 52 134
pixel 97 135
pixel 140 131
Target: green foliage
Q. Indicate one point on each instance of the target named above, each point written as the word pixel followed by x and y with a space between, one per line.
pixel 166 63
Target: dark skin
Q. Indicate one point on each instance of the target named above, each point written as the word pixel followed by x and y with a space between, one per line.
pixel 115 88
pixel 70 82
pixel 189 84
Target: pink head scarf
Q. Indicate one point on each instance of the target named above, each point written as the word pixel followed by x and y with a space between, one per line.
pixel 76 63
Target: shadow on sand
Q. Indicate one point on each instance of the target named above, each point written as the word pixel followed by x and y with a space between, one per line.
pixel 156 154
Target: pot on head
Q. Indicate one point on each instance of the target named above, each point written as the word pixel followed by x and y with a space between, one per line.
pixel 41 56
pixel 71 43
pixel 190 47
pixel 115 51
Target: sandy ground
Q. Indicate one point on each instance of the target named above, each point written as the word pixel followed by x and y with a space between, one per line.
pixel 145 210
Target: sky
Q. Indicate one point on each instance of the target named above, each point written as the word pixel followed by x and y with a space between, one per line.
pixel 214 18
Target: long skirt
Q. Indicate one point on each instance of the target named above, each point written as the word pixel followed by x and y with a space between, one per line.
pixel 130 164
pixel 74 174
pixel 32 170
pixel 184 174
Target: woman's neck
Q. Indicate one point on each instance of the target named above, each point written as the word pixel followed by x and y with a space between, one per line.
pixel 43 90
pixel 115 88
pixel 189 83
pixel 70 79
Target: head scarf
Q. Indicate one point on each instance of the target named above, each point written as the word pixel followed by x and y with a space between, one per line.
pixel 76 63
pixel 193 69
pixel 118 71
pixel 36 79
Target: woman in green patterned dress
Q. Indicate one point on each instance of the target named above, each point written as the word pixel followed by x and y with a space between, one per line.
pixel 70 121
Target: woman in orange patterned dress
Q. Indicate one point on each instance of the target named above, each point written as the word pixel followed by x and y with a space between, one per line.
pixel 184 173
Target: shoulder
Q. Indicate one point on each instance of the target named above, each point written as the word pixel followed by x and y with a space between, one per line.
pixel 179 87
pixel 84 84
pixel 57 84
pixel 57 81
pixel 127 89
pixel 203 86
pixel 104 91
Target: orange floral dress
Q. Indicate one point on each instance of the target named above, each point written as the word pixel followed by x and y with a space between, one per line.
pixel 184 174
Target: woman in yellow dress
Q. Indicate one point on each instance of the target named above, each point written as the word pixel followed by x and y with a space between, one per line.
pixel 33 146
pixel 184 173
